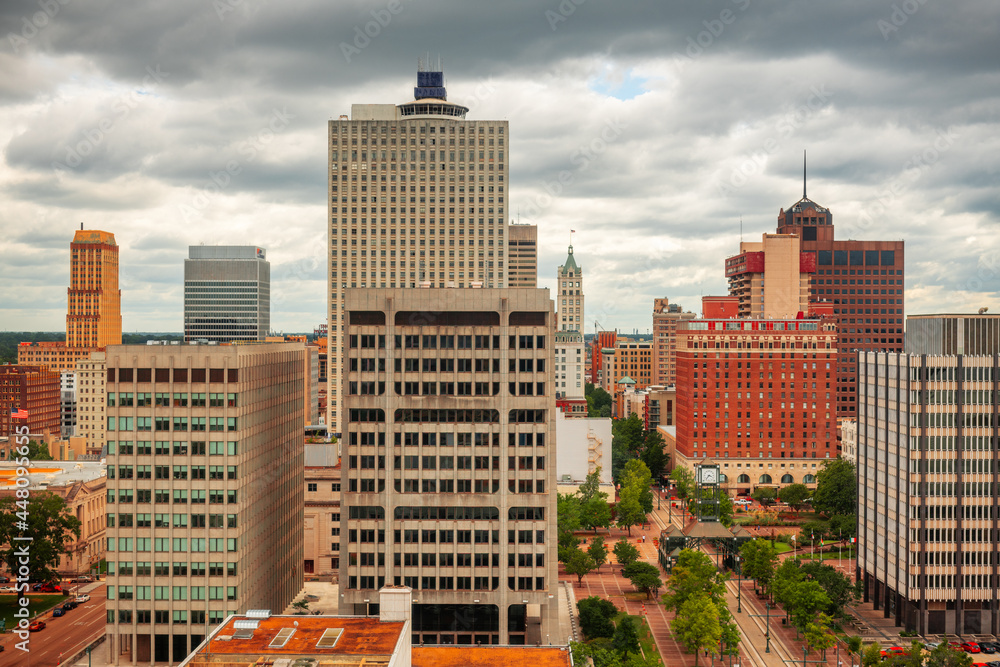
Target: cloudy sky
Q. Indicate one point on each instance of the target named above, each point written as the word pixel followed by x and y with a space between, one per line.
pixel 666 121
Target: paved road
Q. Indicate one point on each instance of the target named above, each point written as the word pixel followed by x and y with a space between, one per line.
pixel 62 636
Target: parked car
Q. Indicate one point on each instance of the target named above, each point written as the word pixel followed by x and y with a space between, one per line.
pixel 80 599
pixel 987 647
pixel 896 650
pixel 58 611
pixel 82 579
pixel 36 626
pixel 743 501
pixel 4 580
pixel 930 646
pixel 8 589
pixel 69 605
pixel 970 647
pixel 51 588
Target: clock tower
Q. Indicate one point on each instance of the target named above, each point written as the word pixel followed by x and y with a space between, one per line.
pixel 707 477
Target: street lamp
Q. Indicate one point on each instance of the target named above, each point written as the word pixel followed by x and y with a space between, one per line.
pixel 767 630
pixel 739 586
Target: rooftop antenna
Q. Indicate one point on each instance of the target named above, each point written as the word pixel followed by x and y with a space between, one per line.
pixel 803 173
pixel 741 228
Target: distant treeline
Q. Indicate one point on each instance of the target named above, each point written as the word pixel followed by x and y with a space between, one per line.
pixel 9 340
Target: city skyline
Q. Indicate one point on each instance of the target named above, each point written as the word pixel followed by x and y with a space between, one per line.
pixel 629 115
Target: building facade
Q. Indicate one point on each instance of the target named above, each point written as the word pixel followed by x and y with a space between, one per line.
pixel 569 296
pixel 34 389
pixel 600 342
pixel 91 380
pixel 666 317
pixel 322 514
pixel 627 359
pixel 770 279
pixel 448 473
pixel 93 315
pixel 522 255
pixel 205 490
pixel 67 404
pixel 582 446
pixel 953 334
pixel 418 195
pixel 864 280
pixel 928 489
pixel 227 294
pixel 569 366
pixel 757 394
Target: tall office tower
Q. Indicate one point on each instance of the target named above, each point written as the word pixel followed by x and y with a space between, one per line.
pixel 771 278
pixel 34 389
pixel 628 358
pixel 666 318
pixel 569 299
pixel 522 256
pixel 205 490
pixel 449 474
pixel 417 197
pixel 227 293
pixel 93 316
pixel 864 282
pixel 91 401
pixel 757 396
pixel 67 404
pixel 953 334
pixel 927 442
pixel 569 371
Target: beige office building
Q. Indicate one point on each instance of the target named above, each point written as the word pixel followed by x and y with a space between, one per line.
pixel 522 256
pixel 91 401
pixel 569 300
pixel 771 278
pixel 666 317
pixel 448 473
pixel 417 197
pixel 205 490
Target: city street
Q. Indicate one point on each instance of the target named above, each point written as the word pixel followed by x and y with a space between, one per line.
pixel 62 636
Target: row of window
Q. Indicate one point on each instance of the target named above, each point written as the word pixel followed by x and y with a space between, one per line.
pixel 162 520
pixel 161 617
pixel 171 592
pixel 445 342
pixel 439 365
pixel 176 544
pixel 446 486
pixel 449 583
pixel 172 472
pixel 444 536
pixel 176 375
pixel 175 424
pixel 197 496
pixel 175 448
pixel 463 559
pixel 127 568
pixel 371 388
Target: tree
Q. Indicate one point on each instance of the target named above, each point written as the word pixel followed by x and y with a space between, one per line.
pixel 803 600
pixel 594 509
pixel 726 511
pixel 844 526
pixel 598 401
pixel 591 487
pixel 854 645
pixel 696 625
pixel 598 551
pixel 595 617
pixel 765 495
pixel 683 479
pixel 795 495
pixel 636 476
pixel 838 587
pixel 693 574
pixel 579 563
pixel 645 577
pixel 836 488
pixel 626 442
pixel 626 636
pixel 625 552
pixel 567 523
pixel 652 453
pixel 819 633
pixel 945 656
pixel 871 656
pixel 813 532
pixel 629 511
pixel 53 531
pixel 759 558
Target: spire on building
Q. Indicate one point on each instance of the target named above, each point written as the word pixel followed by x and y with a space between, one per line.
pixel 804 174
pixel 570 262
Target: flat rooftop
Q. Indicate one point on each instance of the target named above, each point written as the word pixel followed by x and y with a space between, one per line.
pixel 53 473
pixel 491 656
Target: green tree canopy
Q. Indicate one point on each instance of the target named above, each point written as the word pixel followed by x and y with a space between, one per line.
pixel 626 636
pixel 645 577
pixel 652 453
pixel 579 563
pixel 598 401
pixel 843 526
pixel 595 617
pixel 625 552
pixel 637 476
pixel 696 625
pixel 683 479
pixel 629 510
pixel 693 574
pixel 759 559
pixel 43 517
pixel 945 656
pixel 765 495
pixel 626 442
pixel 595 512
pixel 598 551
pixel 795 495
pixel 838 587
pixel 836 488
pixel 567 523
pixel 803 600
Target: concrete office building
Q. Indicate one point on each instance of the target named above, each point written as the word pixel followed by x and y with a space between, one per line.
pixel 322 515
pixel 569 368
pixel 864 282
pixel 569 296
pixel 448 469
pixel 227 294
pixel 927 443
pixel 418 196
pixel 757 396
pixel 974 335
pixel 91 401
pixel 93 314
pixel 67 404
pixel 522 255
pixel 205 490
pixel 666 318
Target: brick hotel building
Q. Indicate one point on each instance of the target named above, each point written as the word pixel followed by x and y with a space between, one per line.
pixel 757 397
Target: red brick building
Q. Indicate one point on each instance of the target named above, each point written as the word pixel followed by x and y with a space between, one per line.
pixel 762 390
pixel 719 307
pixel 31 388
pixel 602 340
pixel 863 280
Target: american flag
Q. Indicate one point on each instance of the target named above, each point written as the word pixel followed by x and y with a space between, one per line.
pixel 572 231
pixel 18 413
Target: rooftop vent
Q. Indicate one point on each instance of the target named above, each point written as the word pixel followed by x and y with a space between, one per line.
pixel 329 638
pixel 258 614
pixel 280 639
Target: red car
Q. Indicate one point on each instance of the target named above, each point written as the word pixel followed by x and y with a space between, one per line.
pixel 51 588
pixel 37 625
pixel 970 647
pixel 896 650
